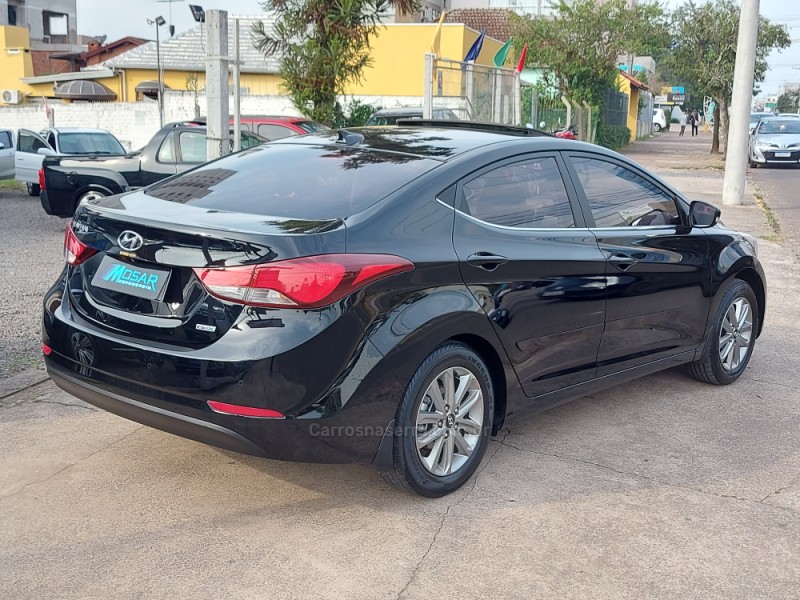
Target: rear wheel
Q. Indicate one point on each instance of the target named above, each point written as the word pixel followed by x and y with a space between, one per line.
pixel 730 340
pixel 88 196
pixel 33 189
pixel 656 127
pixel 443 423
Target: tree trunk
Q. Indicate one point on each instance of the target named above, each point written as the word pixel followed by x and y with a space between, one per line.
pixel 725 120
pixel 715 138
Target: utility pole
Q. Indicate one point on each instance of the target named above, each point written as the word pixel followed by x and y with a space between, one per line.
pixel 217 127
pixel 237 100
pixel 743 75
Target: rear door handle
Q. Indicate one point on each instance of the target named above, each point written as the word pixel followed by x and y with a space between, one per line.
pixel 486 260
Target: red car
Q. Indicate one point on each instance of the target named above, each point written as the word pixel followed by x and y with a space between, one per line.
pixel 277 127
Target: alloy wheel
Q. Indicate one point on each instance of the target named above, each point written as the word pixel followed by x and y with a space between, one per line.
pixel 735 334
pixel 449 421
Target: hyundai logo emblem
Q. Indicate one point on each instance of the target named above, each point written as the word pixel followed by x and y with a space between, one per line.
pixel 130 241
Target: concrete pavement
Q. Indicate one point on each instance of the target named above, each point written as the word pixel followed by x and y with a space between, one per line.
pixel 660 488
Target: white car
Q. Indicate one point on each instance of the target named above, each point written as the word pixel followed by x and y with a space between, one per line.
pixel 32 147
pixel 6 154
pixel 659 119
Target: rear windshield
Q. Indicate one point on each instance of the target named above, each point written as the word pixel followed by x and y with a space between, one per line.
pixel 89 143
pixel 311 126
pixel 294 180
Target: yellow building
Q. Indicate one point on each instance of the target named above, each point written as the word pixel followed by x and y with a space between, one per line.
pixel 397 69
pixel 630 86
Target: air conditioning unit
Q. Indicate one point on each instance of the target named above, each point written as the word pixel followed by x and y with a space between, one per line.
pixel 12 96
pixel 45 39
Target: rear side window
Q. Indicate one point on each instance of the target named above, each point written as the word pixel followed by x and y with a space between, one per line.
pixel 5 139
pixel 527 194
pixel 294 180
pixel 619 197
pixel 194 148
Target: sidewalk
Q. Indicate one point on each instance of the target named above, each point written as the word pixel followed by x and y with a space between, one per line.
pixel 685 163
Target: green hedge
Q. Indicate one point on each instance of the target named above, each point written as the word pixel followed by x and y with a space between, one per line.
pixel 613 136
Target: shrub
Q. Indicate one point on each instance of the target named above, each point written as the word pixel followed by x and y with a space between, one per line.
pixel 354 114
pixel 613 136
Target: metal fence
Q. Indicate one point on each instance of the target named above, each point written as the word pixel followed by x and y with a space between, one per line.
pixel 615 108
pixel 644 122
pixel 552 112
pixel 471 92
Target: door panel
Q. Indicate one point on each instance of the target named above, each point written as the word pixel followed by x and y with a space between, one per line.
pixel 542 286
pixel 658 268
pixel 6 154
pixel 26 160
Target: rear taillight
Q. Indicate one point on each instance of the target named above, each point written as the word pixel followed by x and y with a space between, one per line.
pixel 310 282
pixel 75 251
pixel 244 411
pixel 42 185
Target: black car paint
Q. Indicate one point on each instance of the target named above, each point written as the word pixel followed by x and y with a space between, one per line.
pixel 338 372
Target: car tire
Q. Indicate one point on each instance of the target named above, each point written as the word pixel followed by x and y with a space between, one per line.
pixel 90 195
pixel 656 127
pixel 33 189
pixel 455 443
pixel 736 319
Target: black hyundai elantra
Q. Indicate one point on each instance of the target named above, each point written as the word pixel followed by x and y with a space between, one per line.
pixel 393 295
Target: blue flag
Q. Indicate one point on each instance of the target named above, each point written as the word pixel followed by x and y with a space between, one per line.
pixel 475 49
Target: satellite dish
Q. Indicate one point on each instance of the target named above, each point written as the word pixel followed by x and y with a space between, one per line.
pixel 102 39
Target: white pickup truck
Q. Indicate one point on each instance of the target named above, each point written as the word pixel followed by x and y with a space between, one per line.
pixel 6 153
pixel 32 147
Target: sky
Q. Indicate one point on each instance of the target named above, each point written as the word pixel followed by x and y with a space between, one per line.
pixel 129 17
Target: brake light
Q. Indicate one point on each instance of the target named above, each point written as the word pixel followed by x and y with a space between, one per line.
pixel 47 350
pixel 244 411
pixel 42 185
pixel 75 251
pixel 310 282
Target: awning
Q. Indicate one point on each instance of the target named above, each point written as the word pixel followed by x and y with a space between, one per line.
pixel 84 90
pixel 149 87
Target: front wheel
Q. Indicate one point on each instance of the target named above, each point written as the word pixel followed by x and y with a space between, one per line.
pixel 443 423
pixel 730 340
pixel 33 189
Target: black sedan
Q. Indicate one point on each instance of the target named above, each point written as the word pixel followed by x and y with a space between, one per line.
pixel 393 295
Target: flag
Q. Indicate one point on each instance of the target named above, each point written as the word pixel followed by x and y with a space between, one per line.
pixel 475 49
pixel 500 57
pixel 437 35
pixel 521 63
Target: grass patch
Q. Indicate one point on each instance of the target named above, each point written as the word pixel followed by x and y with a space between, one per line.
pixel 12 184
pixel 772 219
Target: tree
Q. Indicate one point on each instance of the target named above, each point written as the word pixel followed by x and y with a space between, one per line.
pixel 789 102
pixel 704 52
pixel 323 45
pixel 579 46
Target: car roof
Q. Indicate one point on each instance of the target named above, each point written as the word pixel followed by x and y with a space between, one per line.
pixel 271 119
pixel 77 130
pixel 401 110
pixel 438 143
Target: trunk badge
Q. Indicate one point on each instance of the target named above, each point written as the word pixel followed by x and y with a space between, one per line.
pixel 130 241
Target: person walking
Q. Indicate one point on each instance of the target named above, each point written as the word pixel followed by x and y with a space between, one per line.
pixel 682 123
pixel 695 123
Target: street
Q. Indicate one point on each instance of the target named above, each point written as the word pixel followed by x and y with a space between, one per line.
pixel 659 488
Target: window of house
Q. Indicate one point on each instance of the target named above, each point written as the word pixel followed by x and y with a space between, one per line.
pixel 56 26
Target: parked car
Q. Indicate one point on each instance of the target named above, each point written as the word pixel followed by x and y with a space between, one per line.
pixel 776 141
pixel 659 120
pixel 33 147
pixel 393 295
pixel 279 127
pixel 6 153
pixel 390 116
pixel 68 181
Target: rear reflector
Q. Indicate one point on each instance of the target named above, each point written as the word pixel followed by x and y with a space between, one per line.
pixel 42 185
pixel 75 251
pixel 244 411
pixel 46 349
pixel 310 282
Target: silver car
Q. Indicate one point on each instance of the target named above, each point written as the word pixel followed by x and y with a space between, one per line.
pixel 775 141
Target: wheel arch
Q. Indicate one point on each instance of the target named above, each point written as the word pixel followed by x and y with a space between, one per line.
pixel 752 278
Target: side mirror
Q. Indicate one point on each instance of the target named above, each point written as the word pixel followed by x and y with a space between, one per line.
pixel 703 214
pixel 45 152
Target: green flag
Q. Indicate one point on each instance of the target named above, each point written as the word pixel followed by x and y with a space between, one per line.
pixel 500 57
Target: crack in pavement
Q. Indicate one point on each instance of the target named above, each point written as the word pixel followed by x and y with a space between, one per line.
pixel 779 490
pixel 88 456
pixel 651 479
pixel 786 385
pixel 447 512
